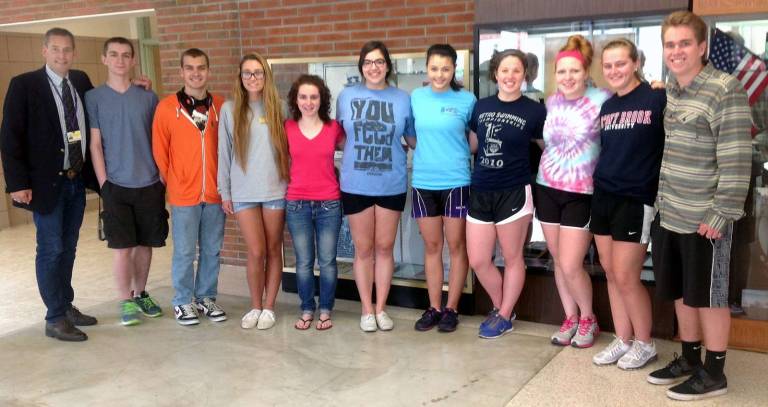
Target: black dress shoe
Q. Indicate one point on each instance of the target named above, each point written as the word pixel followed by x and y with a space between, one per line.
pixel 78 318
pixel 63 330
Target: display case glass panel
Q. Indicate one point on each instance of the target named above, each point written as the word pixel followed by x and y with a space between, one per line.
pixel 748 285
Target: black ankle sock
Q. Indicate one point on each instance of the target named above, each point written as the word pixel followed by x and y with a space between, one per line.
pixel 714 363
pixel 692 352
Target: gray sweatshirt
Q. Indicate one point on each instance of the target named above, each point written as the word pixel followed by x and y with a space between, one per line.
pixel 260 182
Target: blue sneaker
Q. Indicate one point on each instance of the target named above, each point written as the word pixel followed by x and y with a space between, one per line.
pixel 495 326
pixel 488 317
pixel 492 313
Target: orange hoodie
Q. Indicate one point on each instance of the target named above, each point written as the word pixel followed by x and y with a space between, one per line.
pixel 186 157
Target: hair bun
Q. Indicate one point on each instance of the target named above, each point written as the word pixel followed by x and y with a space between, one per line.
pixel 577 42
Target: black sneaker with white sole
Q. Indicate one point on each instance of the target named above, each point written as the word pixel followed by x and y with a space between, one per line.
pixel 209 308
pixel 701 385
pixel 429 319
pixel 186 314
pixel 449 321
pixel 678 369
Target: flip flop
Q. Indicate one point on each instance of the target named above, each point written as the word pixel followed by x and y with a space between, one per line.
pixel 304 323
pixel 321 324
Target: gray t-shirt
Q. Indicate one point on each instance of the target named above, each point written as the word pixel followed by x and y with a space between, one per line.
pixel 125 123
pixel 260 182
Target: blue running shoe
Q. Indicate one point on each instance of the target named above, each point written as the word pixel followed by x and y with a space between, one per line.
pixel 493 312
pixel 489 317
pixel 495 326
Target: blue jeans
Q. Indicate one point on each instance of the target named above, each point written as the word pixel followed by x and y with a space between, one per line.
pixel 199 225
pixel 315 223
pixel 57 234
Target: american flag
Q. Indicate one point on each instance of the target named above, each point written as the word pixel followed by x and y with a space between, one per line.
pixel 731 57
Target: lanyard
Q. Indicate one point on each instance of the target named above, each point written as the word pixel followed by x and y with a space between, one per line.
pixel 61 98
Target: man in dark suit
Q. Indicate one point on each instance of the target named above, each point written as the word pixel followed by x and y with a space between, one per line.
pixel 44 146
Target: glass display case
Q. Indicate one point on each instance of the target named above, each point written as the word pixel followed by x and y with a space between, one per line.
pixel 749 271
pixel 341 72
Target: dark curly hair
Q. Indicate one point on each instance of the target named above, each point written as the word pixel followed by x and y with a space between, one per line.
pixel 325 97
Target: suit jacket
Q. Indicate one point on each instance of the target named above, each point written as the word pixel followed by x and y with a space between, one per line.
pixel 31 141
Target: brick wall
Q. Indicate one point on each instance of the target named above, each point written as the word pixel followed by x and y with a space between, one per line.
pixel 275 28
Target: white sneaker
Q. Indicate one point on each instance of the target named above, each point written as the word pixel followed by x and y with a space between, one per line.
pixel 384 322
pixel 266 320
pixel 612 353
pixel 250 319
pixel 640 355
pixel 368 323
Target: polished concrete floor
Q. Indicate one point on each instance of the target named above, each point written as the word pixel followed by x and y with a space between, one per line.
pixel 160 363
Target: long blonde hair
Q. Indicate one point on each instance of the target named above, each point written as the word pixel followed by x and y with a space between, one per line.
pixel 273 111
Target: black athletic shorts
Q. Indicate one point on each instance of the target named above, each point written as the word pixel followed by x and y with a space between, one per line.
pixel 622 218
pixel 691 267
pixel 499 207
pixel 556 207
pixel 134 216
pixel 354 203
pixel 450 203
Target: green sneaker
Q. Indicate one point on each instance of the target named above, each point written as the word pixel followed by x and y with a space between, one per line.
pixel 148 305
pixel 130 313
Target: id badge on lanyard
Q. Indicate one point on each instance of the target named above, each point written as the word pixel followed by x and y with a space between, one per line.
pixel 74 136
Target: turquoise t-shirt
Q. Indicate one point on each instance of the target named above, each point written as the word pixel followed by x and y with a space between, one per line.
pixel 375 121
pixel 441 159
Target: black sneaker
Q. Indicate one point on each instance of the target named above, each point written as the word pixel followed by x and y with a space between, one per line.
pixel 675 371
pixel 699 386
pixel 449 321
pixel 428 320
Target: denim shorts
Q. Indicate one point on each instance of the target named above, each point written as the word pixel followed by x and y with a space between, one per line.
pixel 274 204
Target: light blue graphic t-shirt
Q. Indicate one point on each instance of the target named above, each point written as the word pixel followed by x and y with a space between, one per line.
pixel 441 159
pixel 374 121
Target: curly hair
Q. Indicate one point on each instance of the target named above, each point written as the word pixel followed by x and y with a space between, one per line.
pixel 325 97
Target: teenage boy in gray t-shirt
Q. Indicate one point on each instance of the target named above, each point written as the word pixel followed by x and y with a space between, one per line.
pixel 135 219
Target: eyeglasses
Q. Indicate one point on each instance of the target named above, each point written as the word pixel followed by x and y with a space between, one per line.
pixel 255 74
pixel 379 62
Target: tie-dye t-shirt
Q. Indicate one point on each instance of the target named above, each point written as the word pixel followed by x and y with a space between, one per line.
pixel 571 141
